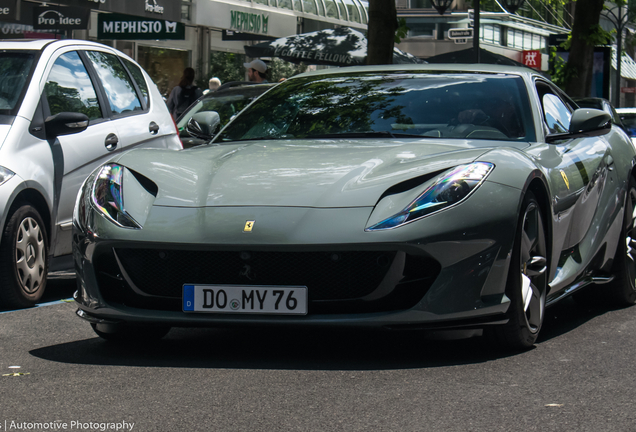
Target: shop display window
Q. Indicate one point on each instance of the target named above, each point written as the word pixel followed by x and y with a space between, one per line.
pixel 165 66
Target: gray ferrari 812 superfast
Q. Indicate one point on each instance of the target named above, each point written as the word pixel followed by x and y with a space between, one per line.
pixel 431 197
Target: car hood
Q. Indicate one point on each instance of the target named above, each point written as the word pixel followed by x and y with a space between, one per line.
pixel 4 131
pixel 318 173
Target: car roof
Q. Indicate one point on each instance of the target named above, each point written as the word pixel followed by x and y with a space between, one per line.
pixel 428 67
pixel 247 90
pixel 40 44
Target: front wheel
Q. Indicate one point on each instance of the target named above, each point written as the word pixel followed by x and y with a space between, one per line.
pixel 527 280
pixel 622 290
pixel 23 259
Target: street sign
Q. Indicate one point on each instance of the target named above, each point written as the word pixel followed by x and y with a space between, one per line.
pixel 628 89
pixel 463 41
pixel 463 33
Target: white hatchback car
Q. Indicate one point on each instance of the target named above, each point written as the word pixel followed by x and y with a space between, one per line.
pixel 65 108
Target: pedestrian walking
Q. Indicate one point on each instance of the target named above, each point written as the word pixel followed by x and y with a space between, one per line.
pixel 213 85
pixel 256 71
pixel 184 94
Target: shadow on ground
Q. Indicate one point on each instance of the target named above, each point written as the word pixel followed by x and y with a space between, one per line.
pixel 307 349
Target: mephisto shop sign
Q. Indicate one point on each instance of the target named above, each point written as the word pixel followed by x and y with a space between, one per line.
pixel 117 26
pixel 249 22
pixel 59 17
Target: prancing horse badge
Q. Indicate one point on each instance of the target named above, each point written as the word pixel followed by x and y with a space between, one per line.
pixel 248 226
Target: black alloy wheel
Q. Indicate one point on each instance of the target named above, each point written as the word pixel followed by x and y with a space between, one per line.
pixel 527 280
pixel 622 290
pixel 23 259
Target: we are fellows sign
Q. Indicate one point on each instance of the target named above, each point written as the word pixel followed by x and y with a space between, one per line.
pixel 117 26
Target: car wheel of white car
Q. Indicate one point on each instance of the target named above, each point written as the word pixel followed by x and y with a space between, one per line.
pixel 125 333
pixel 527 280
pixel 23 259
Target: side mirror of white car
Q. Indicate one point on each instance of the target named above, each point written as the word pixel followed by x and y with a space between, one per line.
pixel 65 123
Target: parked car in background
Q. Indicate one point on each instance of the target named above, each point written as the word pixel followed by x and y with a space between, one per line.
pixel 628 117
pixel 439 197
pixel 227 101
pixel 66 107
pixel 604 105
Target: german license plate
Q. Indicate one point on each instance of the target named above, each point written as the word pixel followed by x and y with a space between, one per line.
pixel 246 299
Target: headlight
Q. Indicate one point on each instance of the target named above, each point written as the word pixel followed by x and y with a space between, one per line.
pixel 5 174
pixel 448 190
pixel 108 196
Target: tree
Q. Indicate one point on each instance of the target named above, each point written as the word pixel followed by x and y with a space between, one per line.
pixel 586 33
pixel 381 31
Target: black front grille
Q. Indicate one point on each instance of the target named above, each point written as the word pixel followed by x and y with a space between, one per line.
pixel 337 282
pixel 328 275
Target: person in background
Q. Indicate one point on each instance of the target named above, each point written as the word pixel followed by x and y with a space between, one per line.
pixel 256 71
pixel 213 85
pixel 184 94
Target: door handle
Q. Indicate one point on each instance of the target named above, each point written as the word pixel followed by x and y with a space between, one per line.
pixel 610 162
pixel 111 142
pixel 153 128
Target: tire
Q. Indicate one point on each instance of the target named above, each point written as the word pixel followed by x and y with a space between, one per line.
pixel 126 333
pixel 24 255
pixel 622 290
pixel 527 280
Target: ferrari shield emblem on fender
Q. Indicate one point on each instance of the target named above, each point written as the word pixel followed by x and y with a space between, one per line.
pixel 248 226
pixel 565 179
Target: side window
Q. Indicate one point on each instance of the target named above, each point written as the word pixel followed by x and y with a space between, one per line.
pixel 119 89
pixel 69 88
pixel 138 76
pixel 557 115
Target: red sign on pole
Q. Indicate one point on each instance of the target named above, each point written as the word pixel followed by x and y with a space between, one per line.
pixel 531 58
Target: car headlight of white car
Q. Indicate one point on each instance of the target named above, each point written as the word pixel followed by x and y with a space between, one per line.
pixel 449 189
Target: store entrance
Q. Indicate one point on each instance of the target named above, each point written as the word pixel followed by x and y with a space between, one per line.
pixel 165 66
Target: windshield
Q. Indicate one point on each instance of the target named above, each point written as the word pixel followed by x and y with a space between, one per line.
pixel 15 68
pixel 225 103
pixel 439 105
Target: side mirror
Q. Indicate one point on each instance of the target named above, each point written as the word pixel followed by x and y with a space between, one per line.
pixel 65 123
pixel 204 125
pixel 585 122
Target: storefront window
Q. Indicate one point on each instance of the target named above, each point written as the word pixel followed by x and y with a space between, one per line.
pixel 420 28
pixel 332 9
pixel 165 66
pixel 285 4
pixel 354 13
pixel 343 10
pixel 185 11
pixel 421 4
pixel 490 33
pixel 321 8
pixel 310 6
pixel 364 10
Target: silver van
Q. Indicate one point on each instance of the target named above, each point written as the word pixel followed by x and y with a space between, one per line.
pixel 66 106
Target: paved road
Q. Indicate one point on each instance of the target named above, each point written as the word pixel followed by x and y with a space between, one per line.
pixel 580 377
